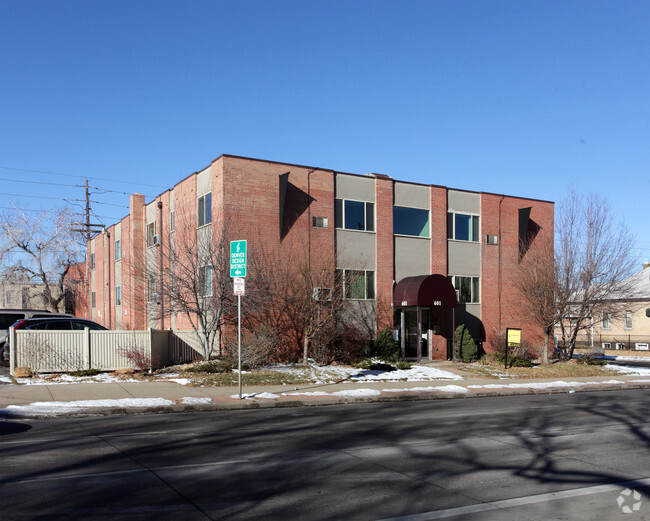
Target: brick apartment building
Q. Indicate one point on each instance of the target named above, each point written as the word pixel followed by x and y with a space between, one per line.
pixel 417 258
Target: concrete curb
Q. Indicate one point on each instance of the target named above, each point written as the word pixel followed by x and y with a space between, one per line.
pixel 226 403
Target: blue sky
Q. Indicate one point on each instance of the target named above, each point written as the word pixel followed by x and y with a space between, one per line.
pixel 522 97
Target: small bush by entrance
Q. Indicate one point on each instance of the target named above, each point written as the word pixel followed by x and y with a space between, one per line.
pixel 466 348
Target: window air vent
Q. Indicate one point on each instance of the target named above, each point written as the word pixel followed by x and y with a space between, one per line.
pixel 492 239
pixel 319 222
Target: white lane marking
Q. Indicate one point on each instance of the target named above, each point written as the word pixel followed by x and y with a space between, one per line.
pixel 520 501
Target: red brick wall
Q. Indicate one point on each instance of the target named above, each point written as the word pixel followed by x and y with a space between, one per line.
pixel 251 200
pixel 500 301
pixel 385 275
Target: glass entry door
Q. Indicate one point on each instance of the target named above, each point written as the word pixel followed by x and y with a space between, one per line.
pixel 415 335
pixel 410 333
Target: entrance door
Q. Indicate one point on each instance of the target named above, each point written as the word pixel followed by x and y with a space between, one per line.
pixel 410 333
pixel 424 333
pixel 414 336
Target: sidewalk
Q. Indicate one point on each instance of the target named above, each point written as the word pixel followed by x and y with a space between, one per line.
pixel 129 397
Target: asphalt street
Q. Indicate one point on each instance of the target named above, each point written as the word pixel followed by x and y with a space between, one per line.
pixel 551 457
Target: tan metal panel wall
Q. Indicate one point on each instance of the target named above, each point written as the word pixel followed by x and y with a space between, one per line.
pixel 469 202
pixel 412 257
pixel 464 258
pixel 51 351
pixel 186 346
pixel 356 250
pixel 412 196
pixel 66 351
pixel 355 187
pixel 105 347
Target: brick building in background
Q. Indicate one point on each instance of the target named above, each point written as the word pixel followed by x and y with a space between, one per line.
pixel 400 248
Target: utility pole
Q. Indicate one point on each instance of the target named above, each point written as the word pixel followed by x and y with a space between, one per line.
pixel 88 229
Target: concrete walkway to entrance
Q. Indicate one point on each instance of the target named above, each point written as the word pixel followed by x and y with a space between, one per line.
pixel 156 396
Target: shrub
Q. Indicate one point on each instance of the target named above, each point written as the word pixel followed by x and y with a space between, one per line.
pixel 258 348
pixel 590 360
pixel 403 365
pixel 86 372
pixel 466 348
pixel 346 346
pixel 513 360
pixel 139 357
pixel 220 365
pixel 385 346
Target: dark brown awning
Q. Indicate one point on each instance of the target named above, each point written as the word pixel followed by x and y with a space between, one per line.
pixel 425 290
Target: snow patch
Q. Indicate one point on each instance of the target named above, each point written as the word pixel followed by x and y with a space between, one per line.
pixel 193 400
pixel 56 408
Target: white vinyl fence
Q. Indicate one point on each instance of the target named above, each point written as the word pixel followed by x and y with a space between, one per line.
pixel 67 351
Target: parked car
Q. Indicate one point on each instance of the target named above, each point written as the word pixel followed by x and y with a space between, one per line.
pixel 8 316
pixel 50 323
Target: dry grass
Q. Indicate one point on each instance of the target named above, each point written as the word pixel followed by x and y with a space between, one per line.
pixel 557 370
pixel 253 378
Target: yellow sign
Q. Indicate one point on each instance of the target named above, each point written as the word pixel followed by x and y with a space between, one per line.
pixel 514 336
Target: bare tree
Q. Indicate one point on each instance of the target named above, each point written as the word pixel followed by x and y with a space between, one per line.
pixel 189 276
pixel 593 259
pixel 571 284
pixel 40 248
pixel 307 305
pixel 536 280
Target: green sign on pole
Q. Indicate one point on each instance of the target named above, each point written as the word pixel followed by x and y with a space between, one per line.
pixel 238 258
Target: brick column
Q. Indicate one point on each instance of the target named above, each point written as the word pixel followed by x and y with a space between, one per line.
pixel 385 250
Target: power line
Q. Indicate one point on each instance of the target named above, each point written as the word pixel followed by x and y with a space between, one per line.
pixel 35 182
pixel 103 190
pixel 35 196
pixel 75 175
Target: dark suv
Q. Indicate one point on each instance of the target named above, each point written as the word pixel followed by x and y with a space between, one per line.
pixel 9 316
pixel 51 323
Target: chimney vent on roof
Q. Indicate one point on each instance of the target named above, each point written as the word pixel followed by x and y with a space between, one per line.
pixel 646 265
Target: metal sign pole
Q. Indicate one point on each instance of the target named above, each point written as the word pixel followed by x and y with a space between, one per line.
pixel 239 340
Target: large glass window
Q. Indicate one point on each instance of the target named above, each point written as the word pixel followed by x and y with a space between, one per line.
pixel 355 215
pixel 92 261
pixel 467 289
pixel 410 221
pixel 205 209
pixel 118 295
pixel 462 227
pixel 357 284
pixel 118 249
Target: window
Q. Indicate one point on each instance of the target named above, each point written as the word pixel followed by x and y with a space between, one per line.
pixel 92 299
pixel 118 249
pixel 410 221
pixel 628 320
pixel 171 221
pixel 467 289
pixel 118 295
pixel 357 284
pixel 607 320
pixel 462 227
pixel 205 209
pixel 92 261
pixel 205 281
pixel 151 289
pixel 151 233
pixel 354 215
